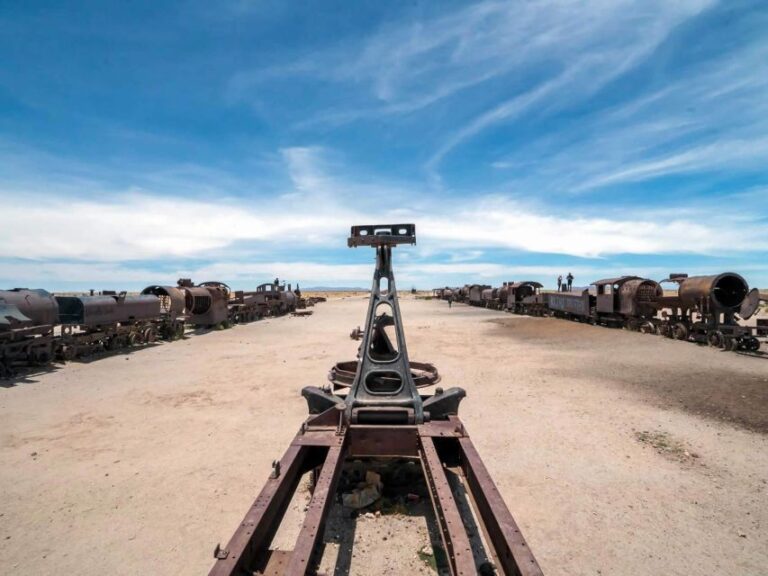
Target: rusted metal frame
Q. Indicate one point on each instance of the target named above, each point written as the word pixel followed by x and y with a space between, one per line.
pixel 510 549
pixel 317 512
pixel 452 530
pixel 261 521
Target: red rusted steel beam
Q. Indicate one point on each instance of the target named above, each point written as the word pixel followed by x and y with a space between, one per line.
pixel 317 512
pixel 509 546
pixel 452 530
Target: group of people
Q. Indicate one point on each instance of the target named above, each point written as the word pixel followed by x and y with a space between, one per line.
pixel 565 286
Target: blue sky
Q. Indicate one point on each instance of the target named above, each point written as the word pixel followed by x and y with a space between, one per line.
pixel 236 141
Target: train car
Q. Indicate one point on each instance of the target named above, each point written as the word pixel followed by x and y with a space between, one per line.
pixel 109 321
pixel 706 310
pixel 288 299
pixel 443 293
pixel 517 292
pixel 475 294
pixel 536 304
pixel 627 301
pixel 578 304
pixel 502 295
pixel 490 297
pixel 172 307
pixel 275 299
pixel 206 306
pixel 242 306
pixel 27 322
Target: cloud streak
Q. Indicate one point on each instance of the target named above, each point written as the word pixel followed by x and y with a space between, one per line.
pixel 317 211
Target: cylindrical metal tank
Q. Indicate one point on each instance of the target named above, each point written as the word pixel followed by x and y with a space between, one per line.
pixel 476 294
pixel 723 292
pixel 206 305
pixel 171 299
pixel 105 310
pixel 39 306
pixel 638 296
pixel 487 295
pixel 519 290
pixel 197 300
pixel 288 298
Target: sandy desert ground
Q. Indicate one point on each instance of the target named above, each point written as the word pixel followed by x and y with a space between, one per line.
pixel 617 453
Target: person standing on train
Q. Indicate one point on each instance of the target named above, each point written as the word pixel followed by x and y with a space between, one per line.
pixel 560 283
pixel 569 278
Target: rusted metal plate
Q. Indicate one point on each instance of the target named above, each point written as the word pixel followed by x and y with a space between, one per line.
pixel 452 529
pixel 511 551
pixel 442 428
pixel 325 438
pixel 750 305
pixel 383 441
pixel 382 235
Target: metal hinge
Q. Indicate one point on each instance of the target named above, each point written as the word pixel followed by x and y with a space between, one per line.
pixel 220 553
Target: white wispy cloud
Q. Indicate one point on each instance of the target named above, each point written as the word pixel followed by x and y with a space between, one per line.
pixel 713 118
pixel 591 45
pixel 120 226
pixel 537 57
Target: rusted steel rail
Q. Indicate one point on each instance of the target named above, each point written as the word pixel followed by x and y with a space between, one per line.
pixel 382 417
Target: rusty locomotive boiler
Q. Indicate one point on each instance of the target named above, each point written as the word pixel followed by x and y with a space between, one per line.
pixel 172 310
pixel 206 305
pixel 106 321
pixel 489 296
pixel 516 294
pixel 475 294
pixel 445 293
pixel 27 321
pixel 627 301
pixel 502 295
pixel 706 309
pixel 382 418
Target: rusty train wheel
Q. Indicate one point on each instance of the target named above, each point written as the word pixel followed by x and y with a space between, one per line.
pixel 716 339
pixel 647 328
pixel 680 331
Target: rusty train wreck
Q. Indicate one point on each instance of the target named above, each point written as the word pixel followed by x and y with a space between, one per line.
pixel 37 327
pixel 705 309
pixel 381 417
